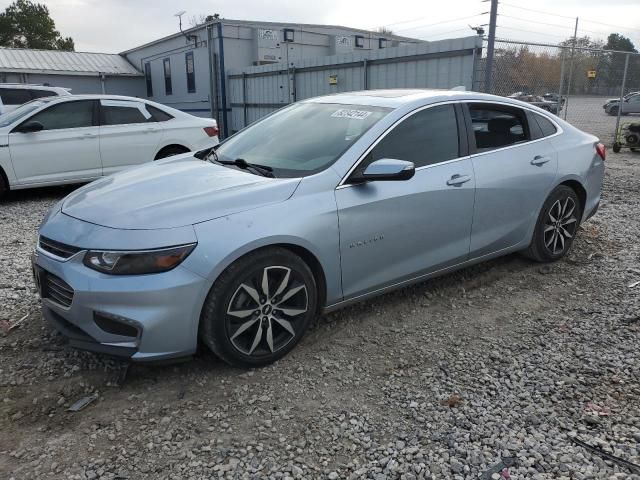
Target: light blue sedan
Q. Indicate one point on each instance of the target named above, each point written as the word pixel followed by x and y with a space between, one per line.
pixel 325 202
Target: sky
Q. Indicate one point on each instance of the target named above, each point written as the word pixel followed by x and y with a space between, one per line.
pixel 113 26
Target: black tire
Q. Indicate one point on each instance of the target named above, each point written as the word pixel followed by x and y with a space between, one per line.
pixel 243 341
pixel 616 147
pixel 171 151
pixel 4 188
pixel 613 111
pixel 562 205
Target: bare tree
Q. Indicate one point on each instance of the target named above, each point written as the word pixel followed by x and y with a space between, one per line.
pixel 195 20
pixel 384 30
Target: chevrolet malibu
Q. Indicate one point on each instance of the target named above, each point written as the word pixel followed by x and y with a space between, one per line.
pixel 326 202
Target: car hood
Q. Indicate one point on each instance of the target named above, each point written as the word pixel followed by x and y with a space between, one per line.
pixel 173 193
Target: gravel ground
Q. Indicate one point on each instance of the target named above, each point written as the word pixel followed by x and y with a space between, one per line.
pixel 506 362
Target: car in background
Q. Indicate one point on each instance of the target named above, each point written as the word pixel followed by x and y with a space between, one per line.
pixel 538 101
pixel 12 95
pixel 553 97
pixel 630 104
pixel 609 103
pixel 326 202
pixel 78 138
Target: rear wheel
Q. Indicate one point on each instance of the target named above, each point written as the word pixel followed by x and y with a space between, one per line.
pixel 4 188
pixel 259 308
pixel 556 227
pixel 171 151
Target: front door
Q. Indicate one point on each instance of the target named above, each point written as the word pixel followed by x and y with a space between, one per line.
pixel 514 171
pixel 67 148
pixel 392 231
pixel 129 135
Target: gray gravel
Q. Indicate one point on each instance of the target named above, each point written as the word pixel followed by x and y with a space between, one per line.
pixel 505 361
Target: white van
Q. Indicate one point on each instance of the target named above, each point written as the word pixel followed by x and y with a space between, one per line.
pixel 12 95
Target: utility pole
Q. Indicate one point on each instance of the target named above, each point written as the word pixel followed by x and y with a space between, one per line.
pixel 488 72
pixel 573 51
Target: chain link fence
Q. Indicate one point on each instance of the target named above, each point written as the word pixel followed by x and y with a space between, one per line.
pixel 581 85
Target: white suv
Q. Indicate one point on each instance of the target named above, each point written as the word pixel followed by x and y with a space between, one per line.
pixel 12 95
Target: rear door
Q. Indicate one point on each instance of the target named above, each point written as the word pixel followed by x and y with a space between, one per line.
pixel 514 170
pixel 398 230
pixel 129 134
pixel 66 149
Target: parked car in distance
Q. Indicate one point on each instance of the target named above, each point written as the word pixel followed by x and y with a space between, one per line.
pixel 609 103
pixel 553 97
pixel 537 101
pixel 12 95
pixel 630 104
pixel 326 202
pixel 78 138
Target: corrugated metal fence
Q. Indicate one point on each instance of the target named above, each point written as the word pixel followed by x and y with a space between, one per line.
pixel 257 91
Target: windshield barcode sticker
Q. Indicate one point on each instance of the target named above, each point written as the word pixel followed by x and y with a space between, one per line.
pixel 347 113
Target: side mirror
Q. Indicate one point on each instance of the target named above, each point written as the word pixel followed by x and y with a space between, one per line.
pixel 385 169
pixel 30 127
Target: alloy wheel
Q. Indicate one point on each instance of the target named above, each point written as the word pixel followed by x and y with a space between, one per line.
pixel 560 225
pixel 265 309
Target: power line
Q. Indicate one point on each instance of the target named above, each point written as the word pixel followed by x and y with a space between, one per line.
pixel 572 18
pixel 537 33
pixel 448 32
pixel 555 25
pixel 437 23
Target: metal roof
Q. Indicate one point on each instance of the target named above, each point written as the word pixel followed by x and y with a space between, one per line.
pixel 23 60
pixel 256 24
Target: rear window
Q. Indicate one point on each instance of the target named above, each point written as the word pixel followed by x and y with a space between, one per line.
pixel 158 115
pixel 42 93
pixel 497 126
pixel 14 96
pixel 546 126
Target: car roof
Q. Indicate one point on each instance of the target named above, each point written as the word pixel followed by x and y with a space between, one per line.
pixel 397 98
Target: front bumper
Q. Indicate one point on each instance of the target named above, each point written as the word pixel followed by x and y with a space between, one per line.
pixel 141 317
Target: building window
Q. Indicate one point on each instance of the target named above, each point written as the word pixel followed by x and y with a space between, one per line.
pixel 191 74
pixel 147 77
pixel 382 43
pixel 289 34
pixel 167 76
pixel 359 41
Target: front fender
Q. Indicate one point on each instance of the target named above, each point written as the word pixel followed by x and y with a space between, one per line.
pixel 306 221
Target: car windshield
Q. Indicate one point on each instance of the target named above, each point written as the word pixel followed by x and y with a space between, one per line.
pixel 21 112
pixel 302 139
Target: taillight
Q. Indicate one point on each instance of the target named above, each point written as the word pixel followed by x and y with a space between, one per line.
pixel 211 131
pixel 600 150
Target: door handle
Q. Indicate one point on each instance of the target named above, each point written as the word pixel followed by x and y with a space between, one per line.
pixel 539 160
pixel 88 135
pixel 457 180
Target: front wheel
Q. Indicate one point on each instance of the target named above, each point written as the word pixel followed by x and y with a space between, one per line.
pixel 556 227
pixel 616 147
pixel 259 308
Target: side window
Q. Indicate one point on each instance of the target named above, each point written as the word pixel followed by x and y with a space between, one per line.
pixel 426 137
pixel 166 63
pixel 191 74
pixel 66 115
pixel 545 125
pixel 147 79
pixel 158 115
pixel 42 93
pixel 495 126
pixel 122 113
pixel 14 96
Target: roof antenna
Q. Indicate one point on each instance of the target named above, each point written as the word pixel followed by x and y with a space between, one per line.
pixel 187 36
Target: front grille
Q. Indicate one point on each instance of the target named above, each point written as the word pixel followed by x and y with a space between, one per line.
pixel 55 289
pixel 58 249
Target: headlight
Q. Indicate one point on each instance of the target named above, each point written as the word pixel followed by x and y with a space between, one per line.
pixel 137 262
